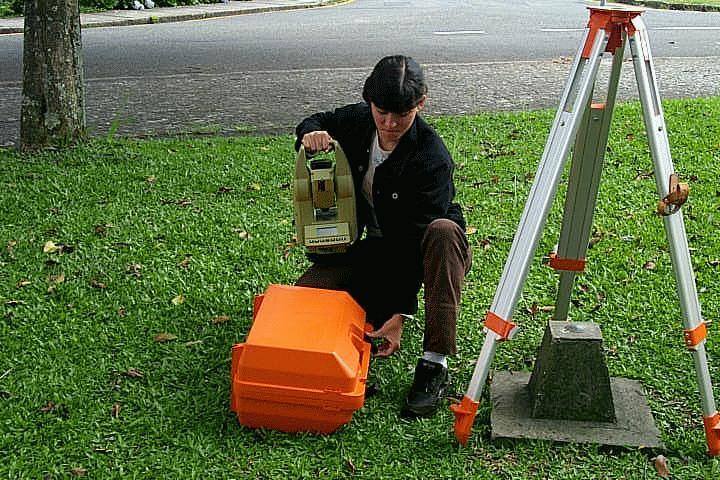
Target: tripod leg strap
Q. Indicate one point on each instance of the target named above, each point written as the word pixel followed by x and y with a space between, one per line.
pixel 676 197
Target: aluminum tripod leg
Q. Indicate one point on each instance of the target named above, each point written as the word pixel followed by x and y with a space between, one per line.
pixel 587 164
pixel 576 94
pixel 674 226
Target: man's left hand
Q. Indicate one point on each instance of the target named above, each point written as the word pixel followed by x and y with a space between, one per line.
pixel 391 333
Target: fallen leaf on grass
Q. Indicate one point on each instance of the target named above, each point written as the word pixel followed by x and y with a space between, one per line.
pixel 14 303
pixel 97 284
pixel 595 239
pixel 22 283
pixel 661 466
pixel 471 230
pixel 225 190
pixel 79 472
pixel 535 308
pixel 220 319
pixel 134 269
pixel 184 263
pixel 714 263
pixel 351 466
pixel 57 408
pixel 54 281
pixel 178 300
pixel 122 312
pixel 50 247
pixel 134 373
pixel 255 186
pixel 644 175
pixel 242 233
pixel 151 179
pixel 192 343
pixel 649 265
pixel 115 410
pixel 165 337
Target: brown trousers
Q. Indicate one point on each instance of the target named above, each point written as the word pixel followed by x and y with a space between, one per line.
pixel 446 259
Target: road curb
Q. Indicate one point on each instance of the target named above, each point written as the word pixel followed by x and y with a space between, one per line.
pixel 150 19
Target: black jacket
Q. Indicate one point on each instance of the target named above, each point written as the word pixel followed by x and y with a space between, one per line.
pixel 411 188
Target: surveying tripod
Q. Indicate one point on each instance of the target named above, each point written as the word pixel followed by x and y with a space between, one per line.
pixel 609 30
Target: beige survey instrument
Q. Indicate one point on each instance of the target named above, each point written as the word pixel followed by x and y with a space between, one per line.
pixel 325 217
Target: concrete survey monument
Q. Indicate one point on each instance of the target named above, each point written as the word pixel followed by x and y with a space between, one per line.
pixel 570 382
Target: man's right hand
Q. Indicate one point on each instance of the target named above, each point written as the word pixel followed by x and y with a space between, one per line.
pixel 391 334
pixel 317 141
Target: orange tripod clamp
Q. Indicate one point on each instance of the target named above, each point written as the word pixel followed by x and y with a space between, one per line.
pixel 504 328
pixel 694 336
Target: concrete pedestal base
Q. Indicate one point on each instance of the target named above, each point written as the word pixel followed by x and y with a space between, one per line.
pixel 511 416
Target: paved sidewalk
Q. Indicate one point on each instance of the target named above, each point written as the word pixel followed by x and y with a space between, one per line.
pixel 177 14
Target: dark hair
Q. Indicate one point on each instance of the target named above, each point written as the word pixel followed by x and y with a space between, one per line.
pixel 396 84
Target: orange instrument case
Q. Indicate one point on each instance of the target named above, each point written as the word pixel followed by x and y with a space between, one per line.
pixel 304 363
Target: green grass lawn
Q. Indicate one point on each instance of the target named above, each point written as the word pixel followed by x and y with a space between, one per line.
pixel 176 236
pixel 715 3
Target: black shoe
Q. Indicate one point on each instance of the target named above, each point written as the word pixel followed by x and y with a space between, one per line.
pixel 431 380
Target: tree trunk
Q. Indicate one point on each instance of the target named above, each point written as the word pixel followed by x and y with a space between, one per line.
pixel 53 104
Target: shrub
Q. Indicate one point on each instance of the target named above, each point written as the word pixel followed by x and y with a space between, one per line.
pixel 11 7
pixel 95 5
pixel 15 7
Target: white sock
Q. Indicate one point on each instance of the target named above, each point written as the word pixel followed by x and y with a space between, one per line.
pixel 435 358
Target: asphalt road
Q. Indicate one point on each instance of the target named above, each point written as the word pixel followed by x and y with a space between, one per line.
pixel 264 72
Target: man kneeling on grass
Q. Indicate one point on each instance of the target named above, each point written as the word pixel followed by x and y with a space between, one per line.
pixel 415 233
